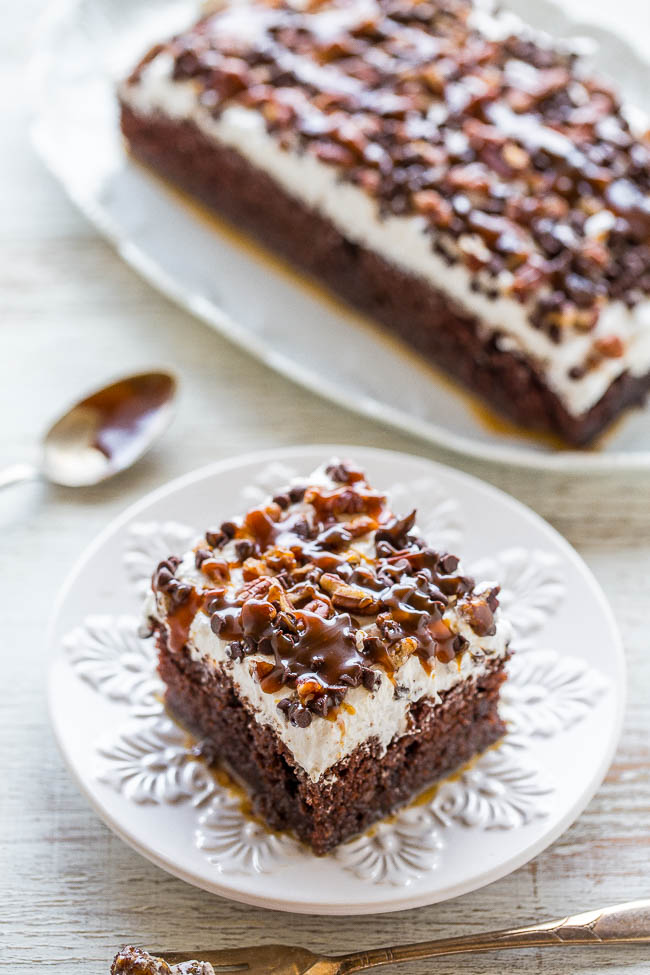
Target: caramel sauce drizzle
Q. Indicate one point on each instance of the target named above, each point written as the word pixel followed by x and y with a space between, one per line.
pixel 306 599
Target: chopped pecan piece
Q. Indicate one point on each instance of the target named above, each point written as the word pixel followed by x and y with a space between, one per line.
pixel 347 597
pixel 610 346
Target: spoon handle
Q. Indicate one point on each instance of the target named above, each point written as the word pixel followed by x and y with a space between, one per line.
pixel 624 923
pixel 18 472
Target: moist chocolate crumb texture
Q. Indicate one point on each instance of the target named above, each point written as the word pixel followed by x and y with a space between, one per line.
pixel 328 655
pixel 468 154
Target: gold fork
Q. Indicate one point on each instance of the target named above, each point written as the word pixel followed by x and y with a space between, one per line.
pixel 622 924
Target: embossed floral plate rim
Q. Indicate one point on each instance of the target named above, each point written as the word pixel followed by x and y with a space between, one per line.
pixel 128 206
pixel 437 865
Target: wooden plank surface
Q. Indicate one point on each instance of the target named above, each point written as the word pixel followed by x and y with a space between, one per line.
pixel 73 314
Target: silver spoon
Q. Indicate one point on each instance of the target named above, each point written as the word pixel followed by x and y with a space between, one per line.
pixel 103 434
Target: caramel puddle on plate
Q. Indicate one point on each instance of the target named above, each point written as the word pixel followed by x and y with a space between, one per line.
pixel 424 797
pixel 502 427
pixel 482 413
pixel 223 776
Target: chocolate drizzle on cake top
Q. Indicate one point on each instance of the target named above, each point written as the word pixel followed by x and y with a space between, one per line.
pixel 523 168
pixel 327 588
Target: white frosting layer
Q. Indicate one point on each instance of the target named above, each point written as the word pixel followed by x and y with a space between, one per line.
pixel 380 715
pixel 405 242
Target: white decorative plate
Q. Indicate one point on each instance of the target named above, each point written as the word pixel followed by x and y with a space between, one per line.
pixel 84 48
pixel 563 702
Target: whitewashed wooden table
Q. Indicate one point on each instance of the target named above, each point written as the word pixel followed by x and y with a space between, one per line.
pixel 73 315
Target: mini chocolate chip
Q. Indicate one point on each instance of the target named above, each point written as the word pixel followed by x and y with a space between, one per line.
pixel 338 473
pixel 244 549
pixel 353 677
pixel 299 715
pixel 282 500
pixel 164 573
pixel 448 563
pixel 370 679
pixel 492 598
pixel 235 650
pixel 301 529
pixel 284 704
pixel 320 705
pixel 460 643
pixel 296 493
pixel 200 556
pixel 343 473
pixel 162 577
pixel 229 528
pixel 217 624
pixel 178 592
pixel 216 538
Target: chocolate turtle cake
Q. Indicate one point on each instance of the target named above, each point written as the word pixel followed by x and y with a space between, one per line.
pixel 464 180
pixel 332 659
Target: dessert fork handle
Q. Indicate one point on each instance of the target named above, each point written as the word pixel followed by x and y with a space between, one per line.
pixel 624 923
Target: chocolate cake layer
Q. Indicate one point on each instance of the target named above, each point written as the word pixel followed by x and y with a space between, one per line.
pixel 406 304
pixel 362 788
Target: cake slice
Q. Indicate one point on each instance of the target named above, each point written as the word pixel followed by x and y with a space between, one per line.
pixel 328 656
pixel 462 179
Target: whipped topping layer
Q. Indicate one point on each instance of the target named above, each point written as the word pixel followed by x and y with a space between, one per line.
pixel 434 135
pixel 331 616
